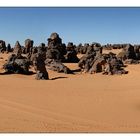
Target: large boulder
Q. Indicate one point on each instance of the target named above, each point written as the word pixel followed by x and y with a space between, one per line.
pixel 97 66
pixel 8 48
pixel 28 45
pixel 39 66
pixel 2 46
pixel 57 66
pixel 55 45
pixel 17 65
pixel 71 55
pixel 130 53
pixel 55 39
pixel 17 48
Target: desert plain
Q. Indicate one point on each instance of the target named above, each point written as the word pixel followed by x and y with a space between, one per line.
pixel 70 103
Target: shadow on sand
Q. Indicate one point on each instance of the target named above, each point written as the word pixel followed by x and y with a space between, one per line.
pixel 8 73
pixel 60 77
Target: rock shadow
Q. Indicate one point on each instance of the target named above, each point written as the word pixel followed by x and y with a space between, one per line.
pixel 60 77
pixel 10 73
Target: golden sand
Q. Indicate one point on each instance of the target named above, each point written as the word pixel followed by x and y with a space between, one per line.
pixel 70 103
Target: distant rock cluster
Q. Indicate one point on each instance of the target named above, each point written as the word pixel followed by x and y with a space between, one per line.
pixel 94 61
pixel 3 47
pixel 55 54
pixel 130 54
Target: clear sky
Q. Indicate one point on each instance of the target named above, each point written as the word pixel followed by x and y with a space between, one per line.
pixel 78 25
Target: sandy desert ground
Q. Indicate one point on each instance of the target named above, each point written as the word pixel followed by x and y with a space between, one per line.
pixel 70 103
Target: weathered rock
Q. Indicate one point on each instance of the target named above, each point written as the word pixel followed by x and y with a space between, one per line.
pixel 54 39
pixel 95 62
pixel 39 66
pixel 55 47
pixel 17 48
pixel 82 49
pixel 2 46
pixel 71 55
pixel 16 64
pixel 97 66
pixel 8 48
pixel 28 45
pixel 53 54
pixel 86 62
pixel 57 66
pixel 129 50
pixel 130 54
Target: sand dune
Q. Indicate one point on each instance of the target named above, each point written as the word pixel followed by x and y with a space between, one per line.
pixel 70 103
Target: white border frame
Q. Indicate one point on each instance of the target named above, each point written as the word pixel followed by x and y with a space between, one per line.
pixel 73 3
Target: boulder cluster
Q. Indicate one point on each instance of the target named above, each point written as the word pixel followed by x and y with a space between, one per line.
pixel 17 63
pixel 42 57
pixel 130 54
pixel 94 61
pixel 4 48
pixel 54 55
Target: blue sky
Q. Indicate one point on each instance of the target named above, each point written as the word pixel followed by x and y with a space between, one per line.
pixel 78 25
